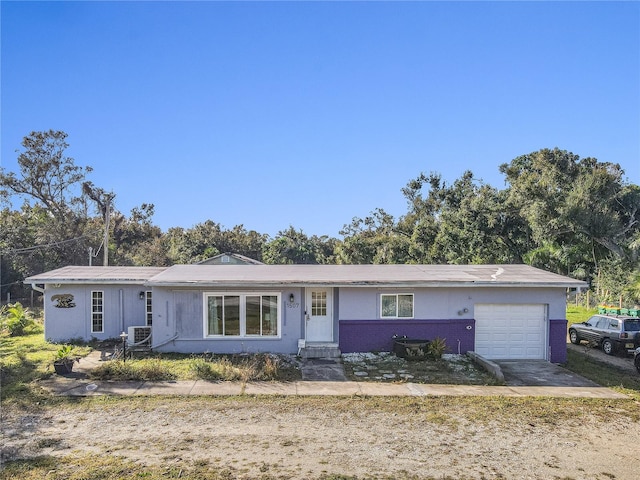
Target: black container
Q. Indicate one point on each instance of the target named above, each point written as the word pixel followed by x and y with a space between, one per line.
pixel 411 348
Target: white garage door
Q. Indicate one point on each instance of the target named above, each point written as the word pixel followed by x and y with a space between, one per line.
pixel 506 331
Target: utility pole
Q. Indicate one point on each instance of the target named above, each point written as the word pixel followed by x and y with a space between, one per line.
pixel 103 201
pixel 107 217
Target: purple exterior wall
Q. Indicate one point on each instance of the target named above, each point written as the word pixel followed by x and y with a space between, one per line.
pixel 557 341
pixel 376 335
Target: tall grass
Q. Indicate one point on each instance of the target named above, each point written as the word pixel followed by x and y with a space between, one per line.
pixel 195 367
pixel 151 369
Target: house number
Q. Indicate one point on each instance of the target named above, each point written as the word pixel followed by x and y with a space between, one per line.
pixel 293 305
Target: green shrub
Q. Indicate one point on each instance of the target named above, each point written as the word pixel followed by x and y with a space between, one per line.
pixel 17 320
pixel 437 347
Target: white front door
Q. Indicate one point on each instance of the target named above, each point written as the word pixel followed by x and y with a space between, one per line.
pixel 319 315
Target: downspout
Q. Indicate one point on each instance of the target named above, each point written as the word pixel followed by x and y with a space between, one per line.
pixel 121 298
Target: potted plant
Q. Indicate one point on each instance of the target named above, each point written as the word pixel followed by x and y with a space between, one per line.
pixel 64 360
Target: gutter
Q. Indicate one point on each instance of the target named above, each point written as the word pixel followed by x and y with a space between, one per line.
pixel 101 281
pixel 37 288
pixel 300 284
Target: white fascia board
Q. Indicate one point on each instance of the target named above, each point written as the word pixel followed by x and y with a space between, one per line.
pixel 363 284
pixel 102 281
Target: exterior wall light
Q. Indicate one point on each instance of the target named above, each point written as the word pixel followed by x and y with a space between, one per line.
pixel 291 298
pixel 141 295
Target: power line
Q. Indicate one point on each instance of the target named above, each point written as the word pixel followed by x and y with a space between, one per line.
pixel 46 245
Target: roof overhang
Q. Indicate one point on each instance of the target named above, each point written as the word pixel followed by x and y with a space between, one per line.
pixel 355 276
pixel 299 276
pixel 95 275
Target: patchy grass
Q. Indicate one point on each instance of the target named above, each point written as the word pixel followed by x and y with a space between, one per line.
pixel 201 367
pixel 109 467
pixel 605 374
pixel 24 360
pixel 439 410
pixel 432 414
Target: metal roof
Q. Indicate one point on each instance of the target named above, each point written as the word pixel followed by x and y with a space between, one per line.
pixel 99 275
pixel 313 275
pixel 361 275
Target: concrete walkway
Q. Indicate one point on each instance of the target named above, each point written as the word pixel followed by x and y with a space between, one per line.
pixel 79 384
pixel 81 388
pixel 320 369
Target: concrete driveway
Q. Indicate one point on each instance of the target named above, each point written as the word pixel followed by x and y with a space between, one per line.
pixel 540 373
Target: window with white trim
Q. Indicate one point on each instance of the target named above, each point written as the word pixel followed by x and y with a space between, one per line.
pixel 97 312
pixel 148 311
pixel 396 305
pixel 318 303
pixel 241 314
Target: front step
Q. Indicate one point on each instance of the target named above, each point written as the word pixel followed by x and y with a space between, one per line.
pixel 320 350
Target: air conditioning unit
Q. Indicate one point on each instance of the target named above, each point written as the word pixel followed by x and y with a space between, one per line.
pixel 139 336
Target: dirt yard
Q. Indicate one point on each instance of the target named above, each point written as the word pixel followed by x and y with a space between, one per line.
pixel 296 438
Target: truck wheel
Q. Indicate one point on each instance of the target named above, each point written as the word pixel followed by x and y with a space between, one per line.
pixel 573 336
pixel 608 347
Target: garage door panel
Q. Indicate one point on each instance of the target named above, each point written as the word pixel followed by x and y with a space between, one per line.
pixel 533 352
pixel 517 323
pixel 483 351
pixel 516 337
pixel 483 337
pixel 511 331
pixel 499 337
pixel 501 352
pixel 514 352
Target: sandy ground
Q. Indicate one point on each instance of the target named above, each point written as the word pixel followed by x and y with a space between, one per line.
pixel 306 438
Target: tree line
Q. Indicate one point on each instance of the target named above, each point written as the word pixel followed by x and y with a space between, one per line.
pixel 570 215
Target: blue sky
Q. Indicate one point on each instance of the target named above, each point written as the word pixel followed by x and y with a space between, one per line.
pixel 311 113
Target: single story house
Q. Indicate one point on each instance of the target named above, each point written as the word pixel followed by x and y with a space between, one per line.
pixel 498 311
